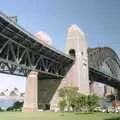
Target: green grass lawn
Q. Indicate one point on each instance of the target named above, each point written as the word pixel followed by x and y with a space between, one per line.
pixel 57 116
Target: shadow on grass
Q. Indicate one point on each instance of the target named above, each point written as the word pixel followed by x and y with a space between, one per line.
pixel 115 118
pixel 79 113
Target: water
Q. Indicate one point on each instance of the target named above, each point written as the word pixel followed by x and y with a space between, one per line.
pixel 6 103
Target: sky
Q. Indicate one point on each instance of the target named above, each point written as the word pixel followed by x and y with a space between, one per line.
pixel 98 19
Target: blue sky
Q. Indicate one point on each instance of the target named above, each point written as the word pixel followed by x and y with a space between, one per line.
pixel 99 19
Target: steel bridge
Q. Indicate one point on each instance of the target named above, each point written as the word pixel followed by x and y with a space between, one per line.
pixel 104 66
pixel 21 52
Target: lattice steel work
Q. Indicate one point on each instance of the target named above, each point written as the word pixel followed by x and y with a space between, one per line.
pixel 104 66
pixel 100 56
pixel 20 52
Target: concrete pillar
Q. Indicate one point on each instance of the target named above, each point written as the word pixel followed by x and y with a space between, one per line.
pixel 76 46
pixel 30 100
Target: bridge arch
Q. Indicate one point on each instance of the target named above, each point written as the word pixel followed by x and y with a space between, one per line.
pixel 113 66
pixel 105 60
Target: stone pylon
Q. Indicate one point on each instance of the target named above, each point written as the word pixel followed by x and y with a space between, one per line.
pixel 76 46
pixel 31 93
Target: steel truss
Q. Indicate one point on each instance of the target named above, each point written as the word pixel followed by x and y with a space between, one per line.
pixel 16 59
pixel 98 56
pixel 21 52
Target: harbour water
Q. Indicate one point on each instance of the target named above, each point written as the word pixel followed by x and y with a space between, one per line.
pixel 7 102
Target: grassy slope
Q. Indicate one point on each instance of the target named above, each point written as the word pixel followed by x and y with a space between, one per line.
pixel 54 116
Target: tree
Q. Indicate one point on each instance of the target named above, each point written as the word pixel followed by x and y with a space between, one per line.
pixel 62 105
pixel 79 102
pixel 10 108
pixel 68 94
pixel 18 105
pixel 92 102
pixel 1 110
pixel 83 100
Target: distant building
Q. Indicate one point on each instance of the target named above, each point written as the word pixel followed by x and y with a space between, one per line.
pixel 2 94
pixel 12 93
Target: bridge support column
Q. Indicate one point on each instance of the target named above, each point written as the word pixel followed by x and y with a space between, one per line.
pixel 76 46
pixel 30 100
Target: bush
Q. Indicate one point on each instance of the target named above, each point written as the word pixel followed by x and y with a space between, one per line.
pixel 10 108
pixel 92 102
pixel 17 105
pixel 62 105
pixel 1 110
pixel 79 102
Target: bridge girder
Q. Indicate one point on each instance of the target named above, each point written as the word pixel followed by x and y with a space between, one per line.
pixel 16 59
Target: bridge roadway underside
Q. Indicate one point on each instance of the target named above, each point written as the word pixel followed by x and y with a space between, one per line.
pixel 98 76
